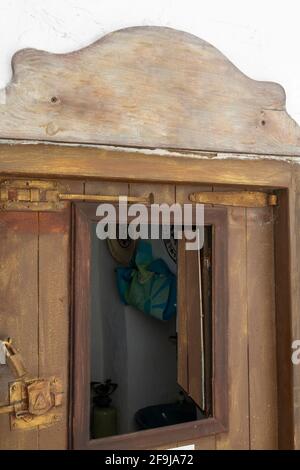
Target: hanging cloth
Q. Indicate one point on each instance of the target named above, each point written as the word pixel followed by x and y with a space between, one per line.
pixel 148 284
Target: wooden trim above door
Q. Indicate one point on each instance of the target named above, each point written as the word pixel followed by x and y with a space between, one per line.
pixel 140 165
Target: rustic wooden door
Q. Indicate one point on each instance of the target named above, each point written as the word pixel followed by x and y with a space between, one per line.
pixel 253 422
pixel 34 299
pixel 252 365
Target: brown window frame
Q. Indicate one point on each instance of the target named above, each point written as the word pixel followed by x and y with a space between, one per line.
pixel 85 214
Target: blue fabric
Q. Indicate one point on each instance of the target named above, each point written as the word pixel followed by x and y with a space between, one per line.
pixel 148 284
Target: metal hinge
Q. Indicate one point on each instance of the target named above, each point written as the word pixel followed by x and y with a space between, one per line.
pixel 32 402
pixel 51 196
pixel 235 198
pixel 30 195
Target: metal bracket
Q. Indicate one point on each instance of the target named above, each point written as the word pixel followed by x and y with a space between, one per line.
pixel 235 198
pixel 32 402
pixel 35 403
pixel 31 195
pixel 37 195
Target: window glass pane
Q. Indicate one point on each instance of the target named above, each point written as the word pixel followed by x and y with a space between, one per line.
pixel 134 336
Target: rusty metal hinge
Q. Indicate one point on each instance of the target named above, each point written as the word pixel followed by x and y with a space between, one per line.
pixel 235 198
pixel 30 195
pixel 32 402
pixel 51 196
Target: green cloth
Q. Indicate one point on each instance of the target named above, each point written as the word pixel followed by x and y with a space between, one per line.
pixel 148 284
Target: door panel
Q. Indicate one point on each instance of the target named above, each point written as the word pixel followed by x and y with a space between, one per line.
pixel 19 308
pixel 238 435
pixel 54 281
pixel 34 299
pixel 261 325
pixel 251 331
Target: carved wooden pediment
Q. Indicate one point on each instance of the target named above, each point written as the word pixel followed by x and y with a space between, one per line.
pixel 145 87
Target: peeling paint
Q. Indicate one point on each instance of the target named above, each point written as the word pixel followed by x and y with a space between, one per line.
pixel 201 155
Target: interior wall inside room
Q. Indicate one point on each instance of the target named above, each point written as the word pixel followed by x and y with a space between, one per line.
pixel 129 347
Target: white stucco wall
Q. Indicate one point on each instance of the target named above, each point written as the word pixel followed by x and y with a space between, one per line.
pixel 262 37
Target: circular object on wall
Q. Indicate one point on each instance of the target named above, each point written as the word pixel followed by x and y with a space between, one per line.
pixel 122 250
pixel 171 245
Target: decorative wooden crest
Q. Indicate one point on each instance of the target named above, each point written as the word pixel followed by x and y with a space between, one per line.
pixel 145 87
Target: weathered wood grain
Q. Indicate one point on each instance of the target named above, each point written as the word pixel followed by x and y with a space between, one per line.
pixel 19 309
pixel 195 333
pixel 117 165
pixel 294 265
pixel 237 436
pixel 283 277
pixel 54 311
pixel 145 87
pixel 261 327
pixel 182 327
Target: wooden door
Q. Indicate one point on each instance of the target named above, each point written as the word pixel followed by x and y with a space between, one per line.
pixel 34 300
pixel 252 368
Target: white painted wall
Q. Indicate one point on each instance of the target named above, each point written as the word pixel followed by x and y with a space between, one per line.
pixel 127 346
pixel 261 37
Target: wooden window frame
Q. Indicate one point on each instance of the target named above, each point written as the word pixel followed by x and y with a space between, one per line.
pixel 84 215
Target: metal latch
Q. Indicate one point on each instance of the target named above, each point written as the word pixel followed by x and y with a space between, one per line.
pixel 42 195
pixel 30 195
pixel 235 198
pixel 32 402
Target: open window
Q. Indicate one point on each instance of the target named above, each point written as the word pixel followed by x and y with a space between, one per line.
pixel 149 361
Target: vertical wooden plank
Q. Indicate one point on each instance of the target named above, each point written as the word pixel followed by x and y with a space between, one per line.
pixel 182 351
pixel 195 344
pixel 81 346
pixel 54 306
pixel 19 308
pixel 261 318
pixel 238 429
pixel 294 222
pixel 207 300
pixel 191 311
pixel 54 310
pixel 182 197
pixel 283 321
